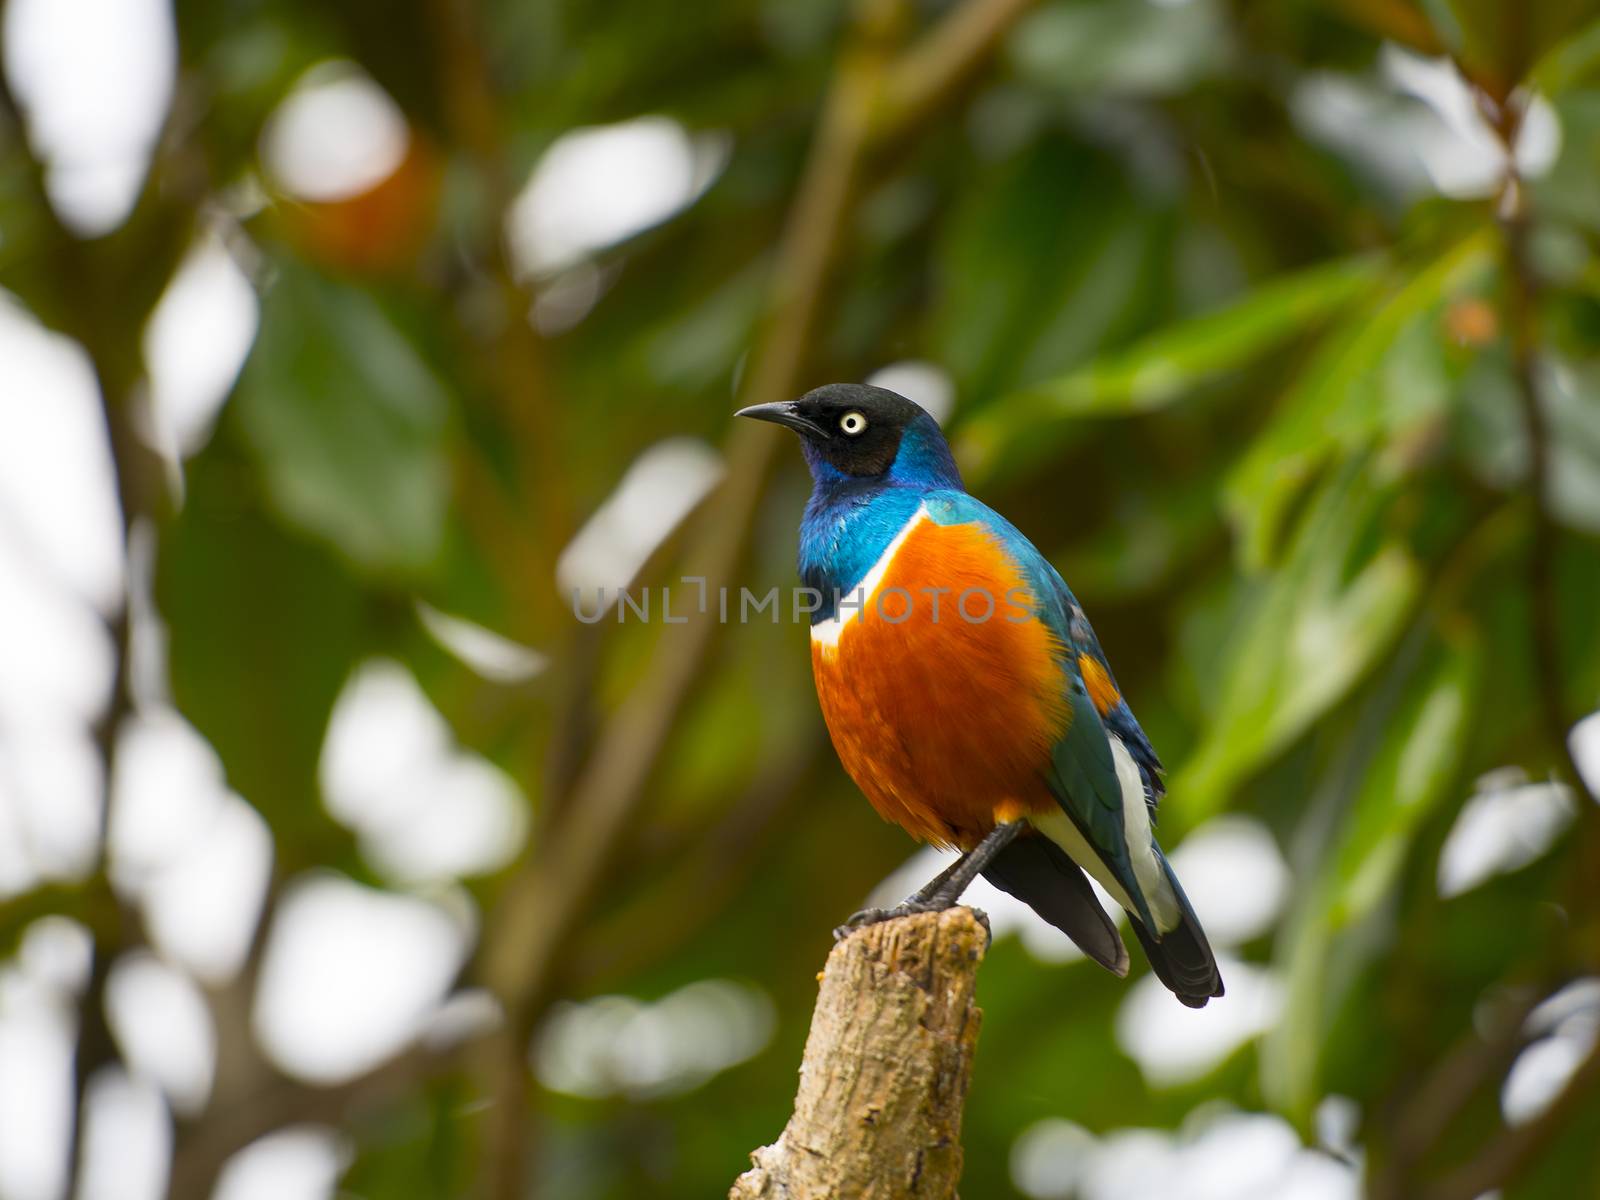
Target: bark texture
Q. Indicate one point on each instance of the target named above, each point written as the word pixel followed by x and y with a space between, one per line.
pixel 884 1078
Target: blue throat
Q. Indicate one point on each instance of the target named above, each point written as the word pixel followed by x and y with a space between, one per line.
pixel 850 520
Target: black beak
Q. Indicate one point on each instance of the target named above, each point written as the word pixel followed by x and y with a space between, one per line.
pixel 784 412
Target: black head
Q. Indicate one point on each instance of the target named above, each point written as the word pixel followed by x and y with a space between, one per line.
pixel 853 427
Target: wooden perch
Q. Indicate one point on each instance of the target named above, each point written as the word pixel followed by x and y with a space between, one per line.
pixel 884 1077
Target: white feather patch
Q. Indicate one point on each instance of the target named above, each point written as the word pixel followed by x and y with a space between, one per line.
pixel 1059 828
pixel 1147 872
pixel 1147 869
pixel 827 633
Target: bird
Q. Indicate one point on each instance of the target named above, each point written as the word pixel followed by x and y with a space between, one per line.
pixel 967 694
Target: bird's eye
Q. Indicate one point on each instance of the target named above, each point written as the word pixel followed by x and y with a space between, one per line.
pixel 853 423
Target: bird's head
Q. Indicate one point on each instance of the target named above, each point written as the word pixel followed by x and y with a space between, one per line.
pixel 864 432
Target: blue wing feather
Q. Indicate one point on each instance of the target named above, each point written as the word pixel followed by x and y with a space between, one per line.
pixel 1082 772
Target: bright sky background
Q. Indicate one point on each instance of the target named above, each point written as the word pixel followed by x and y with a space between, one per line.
pixel 351 973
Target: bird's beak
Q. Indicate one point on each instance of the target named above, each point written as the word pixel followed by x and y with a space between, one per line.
pixel 784 412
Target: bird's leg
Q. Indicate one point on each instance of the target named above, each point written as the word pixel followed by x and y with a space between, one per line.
pixel 918 901
pixel 925 893
pixel 944 889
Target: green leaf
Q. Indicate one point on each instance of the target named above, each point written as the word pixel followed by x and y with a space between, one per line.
pixel 1170 364
pixel 1419 755
pixel 1109 46
pixel 263 630
pixel 1493 437
pixel 349 423
pixel 1566 192
pixel 1499 43
pixel 1571 396
pixel 1409 775
pixel 1158 536
pixel 1337 408
pixel 89 902
pixel 1041 268
pixel 1577 585
pixel 1332 609
pixel 1570 63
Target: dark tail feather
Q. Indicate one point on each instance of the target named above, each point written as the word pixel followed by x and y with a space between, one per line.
pixel 1182 958
pixel 1038 872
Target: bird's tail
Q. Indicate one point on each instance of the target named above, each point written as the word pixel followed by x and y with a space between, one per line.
pixel 1040 874
pixel 1182 957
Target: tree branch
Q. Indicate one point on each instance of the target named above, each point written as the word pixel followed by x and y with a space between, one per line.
pixel 1477 1059
pixel 1522 319
pixel 943 61
pixel 101 295
pixel 278 1101
pixel 884 1078
pixel 1508 1155
pixel 1518 1147
pixel 515 358
pixel 545 900
pixel 1522 316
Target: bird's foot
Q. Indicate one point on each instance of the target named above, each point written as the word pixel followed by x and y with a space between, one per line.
pixel 988 930
pixel 908 907
pixel 983 919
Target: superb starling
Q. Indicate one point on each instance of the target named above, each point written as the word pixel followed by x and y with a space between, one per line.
pixel 967 694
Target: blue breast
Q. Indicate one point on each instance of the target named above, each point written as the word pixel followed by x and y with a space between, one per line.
pixel 850 521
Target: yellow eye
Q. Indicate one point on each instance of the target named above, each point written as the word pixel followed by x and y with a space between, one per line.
pixel 852 423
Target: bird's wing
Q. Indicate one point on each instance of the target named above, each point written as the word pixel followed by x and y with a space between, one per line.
pixel 1114 712
pixel 1103 763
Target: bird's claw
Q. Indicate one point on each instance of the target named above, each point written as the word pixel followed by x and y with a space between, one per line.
pixel 908 907
pixel 866 917
pixel 988 930
pixel 874 916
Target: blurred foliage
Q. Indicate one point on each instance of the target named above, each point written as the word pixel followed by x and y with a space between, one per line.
pixel 1263 405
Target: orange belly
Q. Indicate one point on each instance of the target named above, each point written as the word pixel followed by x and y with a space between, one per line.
pixel 944 722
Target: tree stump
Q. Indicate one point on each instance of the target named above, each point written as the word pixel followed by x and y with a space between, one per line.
pixel 884 1078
